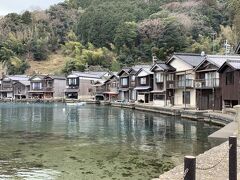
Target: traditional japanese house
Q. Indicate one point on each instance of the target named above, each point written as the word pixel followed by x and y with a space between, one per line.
pixel 124 83
pixel 83 85
pixel 46 86
pixel 229 82
pixel 207 82
pixel 144 85
pixel 163 83
pixel 21 89
pixel 7 86
pixel 111 88
pixel 132 81
pixel 184 91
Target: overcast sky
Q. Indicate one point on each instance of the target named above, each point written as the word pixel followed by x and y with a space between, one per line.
pixel 18 6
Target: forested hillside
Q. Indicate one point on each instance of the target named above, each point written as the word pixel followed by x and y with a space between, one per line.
pixel 110 33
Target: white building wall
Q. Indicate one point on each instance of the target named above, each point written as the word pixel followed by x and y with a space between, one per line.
pixel 180 65
pixel 9 95
pixel 178 97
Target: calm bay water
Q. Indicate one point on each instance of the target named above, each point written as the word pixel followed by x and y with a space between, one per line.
pixel 54 141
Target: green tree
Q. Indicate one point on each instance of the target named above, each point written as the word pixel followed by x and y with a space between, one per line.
pixel 73 65
pixel 17 66
pixel 26 18
pixel 39 49
pixel 5 55
pixel 126 35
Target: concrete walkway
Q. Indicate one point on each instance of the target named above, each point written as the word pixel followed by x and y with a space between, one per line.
pixel 228 130
pixel 216 156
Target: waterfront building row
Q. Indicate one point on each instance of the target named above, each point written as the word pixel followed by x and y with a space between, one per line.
pixel 194 81
pixel 78 85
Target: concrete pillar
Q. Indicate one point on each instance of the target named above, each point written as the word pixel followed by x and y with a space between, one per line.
pixel 237 118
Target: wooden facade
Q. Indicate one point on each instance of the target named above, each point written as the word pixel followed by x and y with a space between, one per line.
pixel 207 85
pixel 163 83
pixel 144 85
pixel 111 88
pixel 47 87
pixel 124 83
pixel 41 87
pixel 230 86
pixel 21 89
pixel 14 86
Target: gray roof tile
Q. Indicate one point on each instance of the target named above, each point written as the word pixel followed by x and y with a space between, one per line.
pixel 219 60
pixel 191 59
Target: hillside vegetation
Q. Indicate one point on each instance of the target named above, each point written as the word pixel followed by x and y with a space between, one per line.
pixel 78 34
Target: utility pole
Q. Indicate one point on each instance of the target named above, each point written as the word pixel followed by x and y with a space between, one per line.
pixel 227 48
pixel 185 84
pixel 213 36
pixel 213 91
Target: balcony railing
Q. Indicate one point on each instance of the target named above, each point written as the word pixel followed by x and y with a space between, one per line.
pixel 206 83
pixel 43 89
pixel 184 83
pixel 6 89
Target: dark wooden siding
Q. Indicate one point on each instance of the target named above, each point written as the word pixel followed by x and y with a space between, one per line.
pixel 230 91
pixel 206 97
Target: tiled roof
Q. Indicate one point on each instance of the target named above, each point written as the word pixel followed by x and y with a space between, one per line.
pixel 163 66
pixel 18 77
pixel 137 67
pixel 219 60
pixel 126 70
pixel 235 64
pixel 26 83
pixel 232 63
pixel 58 77
pixel 191 59
pixel 97 75
pixel 147 70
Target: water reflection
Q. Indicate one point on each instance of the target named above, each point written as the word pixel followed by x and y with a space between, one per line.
pixel 101 122
pixel 122 133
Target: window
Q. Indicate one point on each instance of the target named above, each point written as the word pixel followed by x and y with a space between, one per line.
pixel 133 78
pixel 212 79
pixel 170 77
pixel 143 80
pixel 49 83
pixel 124 81
pixel 114 84
pixel 72 81
pixel 188 82
pixel 186 97
pixel 159 77
pixel 36 85
pixel 229 78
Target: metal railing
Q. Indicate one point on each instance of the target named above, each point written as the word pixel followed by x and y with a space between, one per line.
pixel 184 83
pixel 207 83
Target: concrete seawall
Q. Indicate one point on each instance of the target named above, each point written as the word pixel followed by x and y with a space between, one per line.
pixel 217 118
pixel 210 157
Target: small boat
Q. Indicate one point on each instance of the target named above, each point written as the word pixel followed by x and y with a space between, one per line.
pixel 76 104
